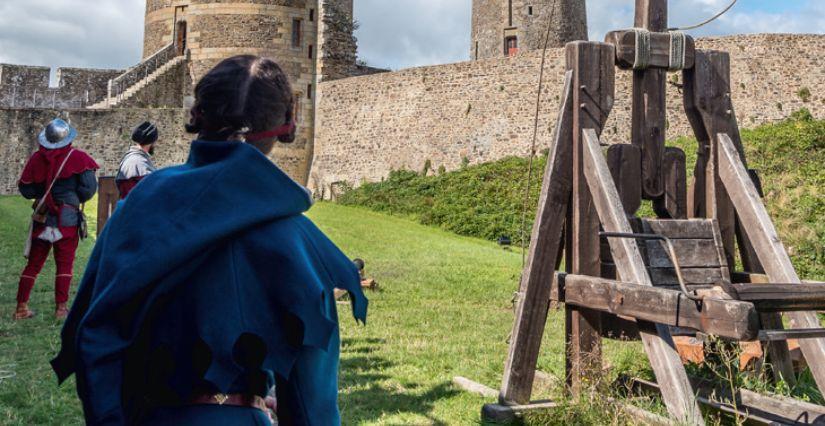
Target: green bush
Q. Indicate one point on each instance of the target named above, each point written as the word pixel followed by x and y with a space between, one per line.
pixel 487 200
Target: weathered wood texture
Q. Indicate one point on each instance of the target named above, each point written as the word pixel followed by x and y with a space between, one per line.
pixel 474 387
pixel 625 42
pixel 107 198
pixel 625 163
pixel 499 413
pixel 772 254
pixel 727 318
pixel 782 297
pixel 709 106
pixel 649 105
pixel 593 94
pixel 545 248
pixel 667 365
pixel 673 203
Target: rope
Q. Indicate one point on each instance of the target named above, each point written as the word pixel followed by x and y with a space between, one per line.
pixel 642 59
pixel 678 53
pixel 528 186
pixel 708 21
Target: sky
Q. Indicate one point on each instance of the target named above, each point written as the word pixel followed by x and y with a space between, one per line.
pixel 393 34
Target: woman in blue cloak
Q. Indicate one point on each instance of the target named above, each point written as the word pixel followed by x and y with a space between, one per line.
pixel 208 285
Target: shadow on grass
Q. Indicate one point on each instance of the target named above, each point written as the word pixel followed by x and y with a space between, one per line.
pixel 376 393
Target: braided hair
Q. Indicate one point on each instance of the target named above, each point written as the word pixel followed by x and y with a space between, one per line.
pixel 243 94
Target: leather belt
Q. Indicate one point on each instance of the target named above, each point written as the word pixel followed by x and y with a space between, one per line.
pixel 235 400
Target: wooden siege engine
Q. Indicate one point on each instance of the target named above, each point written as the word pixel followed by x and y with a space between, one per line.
pixel 650 277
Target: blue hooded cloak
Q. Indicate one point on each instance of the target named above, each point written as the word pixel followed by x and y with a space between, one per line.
pixel 205 255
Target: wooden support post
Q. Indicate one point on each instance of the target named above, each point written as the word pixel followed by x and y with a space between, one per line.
pixel 593 91
pixel 772 254
pixel 667 365
pixel 545 248
pixel 707 93
pixel 625 162
pixel 649 105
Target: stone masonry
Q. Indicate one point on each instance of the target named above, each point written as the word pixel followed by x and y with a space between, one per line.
pixel 494 22
pixel 483 110
pixel 28 87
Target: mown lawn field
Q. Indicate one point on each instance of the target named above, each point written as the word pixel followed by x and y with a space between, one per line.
pixel 444 309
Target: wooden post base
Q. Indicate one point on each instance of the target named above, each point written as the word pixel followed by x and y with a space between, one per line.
pixel 498 413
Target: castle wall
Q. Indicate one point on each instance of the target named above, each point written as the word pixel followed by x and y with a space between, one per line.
pixel 104 134
pixel 166 91
pixel 484 110
pixel 24 86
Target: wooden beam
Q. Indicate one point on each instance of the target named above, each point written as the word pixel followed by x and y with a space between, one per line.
pixel 649 104
pixel 673 204
pixel 709 88
pixel 594 79
pixel 727 318
pixel 625 163
pixel 545 248
pixel 468 385
pixel 768 246
pixel 625 42
pixel 667 365
pixel 771 297
pixel 500 413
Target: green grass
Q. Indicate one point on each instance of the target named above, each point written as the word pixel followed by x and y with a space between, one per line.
pixel 444 309
pixel 487 200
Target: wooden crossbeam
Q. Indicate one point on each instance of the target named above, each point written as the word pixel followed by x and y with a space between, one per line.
pixel 667 365
pixel 625 42
pixel 545 248
pixel 731 319
pixel 768 246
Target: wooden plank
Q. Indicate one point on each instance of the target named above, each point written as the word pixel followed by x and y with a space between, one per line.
pixel 594 79
pixel 692 229
pixel 625 42
pixel 649 104
pixel 667 365
pixel 768 246
pixel 545 248
pixel 782 297
pixel 692 276
pixel 468 385
pixel 691 253
pixel 673 204
pixel 625 163
pixel 727 318
pixel 752 278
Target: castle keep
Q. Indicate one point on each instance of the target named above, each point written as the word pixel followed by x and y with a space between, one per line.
pixel 358 123
pixel 503 27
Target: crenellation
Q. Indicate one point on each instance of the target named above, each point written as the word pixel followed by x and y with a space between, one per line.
pixel 23 86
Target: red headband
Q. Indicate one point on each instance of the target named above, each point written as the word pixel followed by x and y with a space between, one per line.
pixel 286 129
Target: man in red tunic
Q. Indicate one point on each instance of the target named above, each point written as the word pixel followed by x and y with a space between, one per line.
pixel 59 178
pixel 137 163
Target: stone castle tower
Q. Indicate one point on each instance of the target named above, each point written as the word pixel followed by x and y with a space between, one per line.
pixel 310 39
pixel 504 27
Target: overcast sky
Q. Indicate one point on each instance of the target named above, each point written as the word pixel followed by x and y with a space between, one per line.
pixel 393 34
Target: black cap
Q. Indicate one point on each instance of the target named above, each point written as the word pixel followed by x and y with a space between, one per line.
pixel 145 134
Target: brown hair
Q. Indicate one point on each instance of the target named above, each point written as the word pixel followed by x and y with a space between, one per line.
pixel 243 94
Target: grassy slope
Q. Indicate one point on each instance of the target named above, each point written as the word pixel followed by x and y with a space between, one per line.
pixel 444 310
pixel 486 200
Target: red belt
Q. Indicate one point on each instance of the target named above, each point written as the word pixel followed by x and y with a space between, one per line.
pixel 235 400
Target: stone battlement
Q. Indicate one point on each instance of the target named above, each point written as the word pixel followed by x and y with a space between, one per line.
pixel 23 86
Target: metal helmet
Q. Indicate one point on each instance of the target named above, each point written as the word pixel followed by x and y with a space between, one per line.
pixel 57 134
